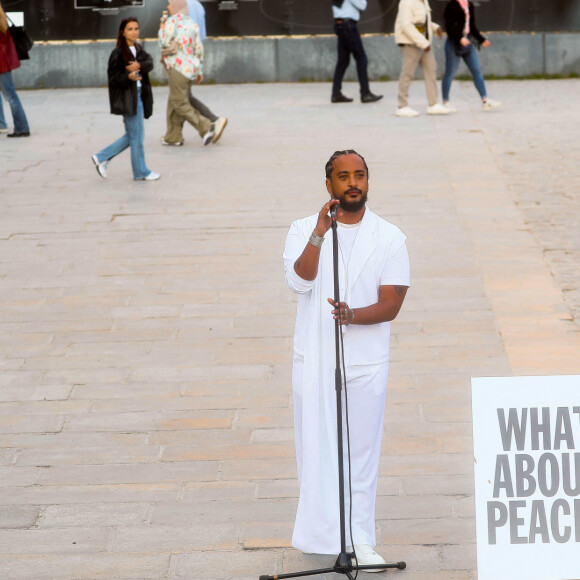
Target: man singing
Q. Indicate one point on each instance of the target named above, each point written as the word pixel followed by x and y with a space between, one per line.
pixel 373 278
pixel 346 15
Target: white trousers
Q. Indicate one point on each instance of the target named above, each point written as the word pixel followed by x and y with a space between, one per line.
pixel 317 527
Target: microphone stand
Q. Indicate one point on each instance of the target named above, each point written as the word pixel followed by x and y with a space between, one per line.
pixel 344 563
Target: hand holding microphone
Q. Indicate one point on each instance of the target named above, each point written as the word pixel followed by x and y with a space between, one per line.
pixel 333 210
pixel 324 219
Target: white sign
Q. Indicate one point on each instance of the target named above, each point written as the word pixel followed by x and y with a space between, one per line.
pixel 526 435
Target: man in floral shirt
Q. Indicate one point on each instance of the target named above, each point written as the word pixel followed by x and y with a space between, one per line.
pixel 182 52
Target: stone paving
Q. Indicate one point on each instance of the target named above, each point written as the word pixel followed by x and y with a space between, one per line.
pixel 145 414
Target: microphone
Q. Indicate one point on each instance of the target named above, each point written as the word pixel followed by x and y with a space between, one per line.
pixel 333 209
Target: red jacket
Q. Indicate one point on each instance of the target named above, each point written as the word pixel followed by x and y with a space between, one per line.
pixel 8 57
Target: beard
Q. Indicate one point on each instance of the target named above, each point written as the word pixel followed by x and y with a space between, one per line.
pixel 353 206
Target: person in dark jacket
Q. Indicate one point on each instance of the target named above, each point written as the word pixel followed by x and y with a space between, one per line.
pixel 8 62
pixel 130 95
pixel 462 34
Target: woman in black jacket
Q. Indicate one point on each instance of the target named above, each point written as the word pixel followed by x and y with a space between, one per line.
pixel 462 32
pixel 130 95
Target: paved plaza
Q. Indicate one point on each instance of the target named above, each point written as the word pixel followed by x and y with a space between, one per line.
pixel 146 330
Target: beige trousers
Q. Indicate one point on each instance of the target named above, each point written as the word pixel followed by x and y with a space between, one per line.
pixel 179 108
pixel 412 56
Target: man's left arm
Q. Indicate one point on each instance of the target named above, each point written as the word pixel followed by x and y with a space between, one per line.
pixel 384 310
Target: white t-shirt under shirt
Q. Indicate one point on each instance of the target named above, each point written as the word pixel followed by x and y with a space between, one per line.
pixel 134 53
pixel 346 236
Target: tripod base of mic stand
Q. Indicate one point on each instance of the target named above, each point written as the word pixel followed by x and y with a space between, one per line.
pixel 343 565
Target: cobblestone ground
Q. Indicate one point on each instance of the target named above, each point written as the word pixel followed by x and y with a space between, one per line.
pixel 539 153
pixel 145 329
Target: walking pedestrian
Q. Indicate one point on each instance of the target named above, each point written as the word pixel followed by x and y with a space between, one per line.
pixel 463 37
pixel 414 32
pixel 346 15
pixel 8 62
pixel 182 52
pixel 197 14
pixel 130 95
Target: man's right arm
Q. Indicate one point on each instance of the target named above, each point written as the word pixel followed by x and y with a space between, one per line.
pixel 306 266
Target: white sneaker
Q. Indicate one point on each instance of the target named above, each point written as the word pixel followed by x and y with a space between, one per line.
pixel 438 109
pixel 219 125
pixel 3 129
pixel 209 136
pixel 489 104
pixel 177 144
pixel 449 106
pixel 151 177
pixel 366 556
pixel 101 167
pixel 406 112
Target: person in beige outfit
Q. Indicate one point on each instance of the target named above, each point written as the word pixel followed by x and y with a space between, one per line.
pixel 414 33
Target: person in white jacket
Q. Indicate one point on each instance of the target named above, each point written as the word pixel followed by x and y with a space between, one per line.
pixel 414 31
pixel 373 278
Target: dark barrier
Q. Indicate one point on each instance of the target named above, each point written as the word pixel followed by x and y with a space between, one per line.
pixel 96 19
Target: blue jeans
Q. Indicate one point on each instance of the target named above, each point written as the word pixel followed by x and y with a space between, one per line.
pixel 452 63
pixel 134 138
pixel 18 114
pixel 350 42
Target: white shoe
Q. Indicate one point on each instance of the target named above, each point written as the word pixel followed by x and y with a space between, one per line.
pixel 209 136
pixel 489 104
pixel 406 112
pixel 151 177
pixel 449 106
pixel 3 129
pixel 366 556
pixel 178 144
pixel 438 109
pixel 219 125
pixel 101 167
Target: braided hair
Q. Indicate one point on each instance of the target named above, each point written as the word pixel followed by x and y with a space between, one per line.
pixel 330 163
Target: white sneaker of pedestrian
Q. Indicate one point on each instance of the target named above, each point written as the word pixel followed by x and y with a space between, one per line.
pixel 406 112
pixel 219 125
pixel 177 144
pixel 208 137
pixel 366 556
pixel 438 109
pixel 101 167
pixel 489 104
pixel 3 129
pixel 449 106
pixel 151 177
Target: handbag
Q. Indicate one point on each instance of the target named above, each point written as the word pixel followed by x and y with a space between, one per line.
pixel 22 41
pixel 169 50
pixel 463 51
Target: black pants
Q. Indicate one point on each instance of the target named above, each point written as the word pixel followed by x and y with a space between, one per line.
pixel 350 42
pixel 203 109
